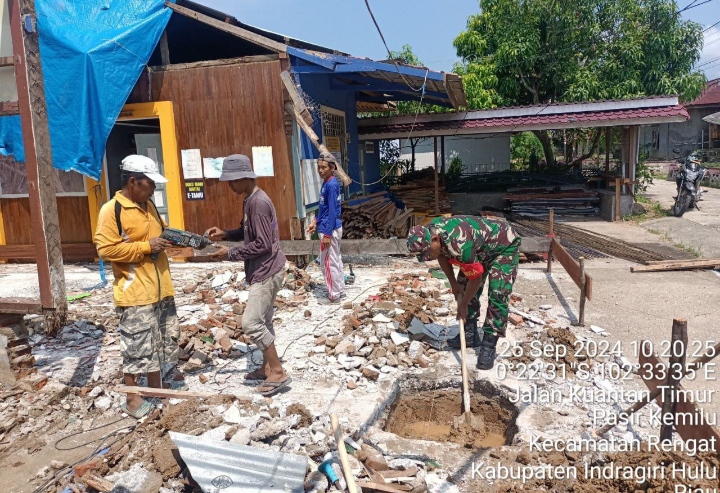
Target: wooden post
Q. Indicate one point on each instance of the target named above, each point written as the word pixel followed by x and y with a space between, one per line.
pixel 164 49
pixel 551 235
pixel 344 461
pixel 678 350
pixel 437 186
pixel 618 184
pixel 608 143
pixel 583 291
pixel 38 163
pixel 443 169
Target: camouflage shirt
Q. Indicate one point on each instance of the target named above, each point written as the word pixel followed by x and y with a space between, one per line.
pixel 471 239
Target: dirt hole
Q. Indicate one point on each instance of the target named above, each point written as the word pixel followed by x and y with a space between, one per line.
pixel 436 415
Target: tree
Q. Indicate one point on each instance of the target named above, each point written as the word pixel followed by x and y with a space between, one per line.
pixel 533 52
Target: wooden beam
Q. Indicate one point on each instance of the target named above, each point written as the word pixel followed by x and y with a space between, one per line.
pixel 618 190
pixel 608 143
pixel 437 185
pixel 229 28
pixel 685 403
pixel 73 252
pixel 22 306
pixel 9 108
pixel 385 488
pixel 38 163
pixel 669 265
pixel 164 49
pixel 172 394
pixel 223 62
pixel 339 171
pixel 529 244
pixel 571 267
pixel 294 94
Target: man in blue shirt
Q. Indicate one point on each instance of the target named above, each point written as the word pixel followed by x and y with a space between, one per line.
pixel 329 227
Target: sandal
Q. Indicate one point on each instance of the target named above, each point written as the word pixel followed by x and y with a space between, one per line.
pixel 274 387
pixel 142 411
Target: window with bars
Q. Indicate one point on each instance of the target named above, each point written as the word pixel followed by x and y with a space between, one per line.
pixel 335 133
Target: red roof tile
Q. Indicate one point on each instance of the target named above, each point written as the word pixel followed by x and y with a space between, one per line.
pixel 511 123
pixel 710 96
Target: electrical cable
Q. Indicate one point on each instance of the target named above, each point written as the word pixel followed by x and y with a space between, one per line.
pixel 694 5
pixel 377 26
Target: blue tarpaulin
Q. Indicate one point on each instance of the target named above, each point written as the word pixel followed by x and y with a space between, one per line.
pixel 92 53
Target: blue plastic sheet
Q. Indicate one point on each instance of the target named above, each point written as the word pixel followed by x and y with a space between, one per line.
pixel 92 52
pixel 11 143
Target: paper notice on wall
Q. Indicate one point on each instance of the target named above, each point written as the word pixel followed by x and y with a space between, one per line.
pixel 263 161
pixel 212 166
pixel 191 164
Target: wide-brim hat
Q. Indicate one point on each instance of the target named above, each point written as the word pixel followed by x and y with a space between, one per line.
pixel 418 241
pixel 236 167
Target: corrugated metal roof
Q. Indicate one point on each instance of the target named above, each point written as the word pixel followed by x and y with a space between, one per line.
pixel 714 118
pixel 223 467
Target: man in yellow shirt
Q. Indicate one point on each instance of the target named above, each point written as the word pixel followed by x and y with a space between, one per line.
pixel 128 236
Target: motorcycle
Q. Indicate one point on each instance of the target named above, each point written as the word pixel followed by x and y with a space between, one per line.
pixel 688 186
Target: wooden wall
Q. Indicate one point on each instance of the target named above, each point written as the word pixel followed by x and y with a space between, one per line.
pixel 72 211
pixel 225 110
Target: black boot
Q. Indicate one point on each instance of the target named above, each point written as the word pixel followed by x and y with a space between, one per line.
pixel 472 336
pixel 486 356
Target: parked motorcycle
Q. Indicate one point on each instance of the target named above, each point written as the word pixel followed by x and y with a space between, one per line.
pixel 688 186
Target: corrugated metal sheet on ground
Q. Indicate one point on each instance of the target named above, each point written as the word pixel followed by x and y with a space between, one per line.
pixel 223 467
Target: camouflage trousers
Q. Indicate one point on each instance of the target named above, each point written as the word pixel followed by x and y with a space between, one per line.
pixel 501 272
pixel 149 336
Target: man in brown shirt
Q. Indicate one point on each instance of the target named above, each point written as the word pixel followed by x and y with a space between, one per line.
pixel 264 267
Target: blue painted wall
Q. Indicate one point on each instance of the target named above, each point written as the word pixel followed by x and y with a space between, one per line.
pixel 317 86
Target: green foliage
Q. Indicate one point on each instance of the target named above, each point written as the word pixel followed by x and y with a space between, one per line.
pixel 390 163
pixel 525 52
pixel 524 151
pixel 455 168
pixel 643 174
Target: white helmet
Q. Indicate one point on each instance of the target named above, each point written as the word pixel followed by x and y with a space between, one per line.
pixel 143 164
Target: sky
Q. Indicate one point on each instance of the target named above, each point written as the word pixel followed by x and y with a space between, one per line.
pixel 428 26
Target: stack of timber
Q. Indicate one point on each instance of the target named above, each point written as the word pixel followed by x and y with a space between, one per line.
pixel 375 216
pixel 419 195
pixel 538 201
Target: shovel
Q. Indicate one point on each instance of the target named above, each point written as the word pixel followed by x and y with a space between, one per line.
pixel 473 422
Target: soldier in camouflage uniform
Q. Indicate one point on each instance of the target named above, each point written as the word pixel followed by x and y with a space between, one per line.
pixel 482 248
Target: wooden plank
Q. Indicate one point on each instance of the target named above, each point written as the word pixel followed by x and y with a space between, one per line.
pixel 678 352
pixel 71 252
pixel 570 266
pixel 297 101
pixel 685 404
pixel 392 474
pixel 339 171
pixel 670 265
pixel 7 61
pixel 164 48
pixel 20 305
pixel 73 214
pixel 387 488
pixel 172 394
pixel 229 28
pixel 223 62
pixel 9 108
pixel 344 461
pixel 398 246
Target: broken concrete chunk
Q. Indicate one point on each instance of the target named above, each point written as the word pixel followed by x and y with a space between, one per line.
pixel 380 318
pixel 415 350
pixel 398 338
pixel 515 319
pixel 371 373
